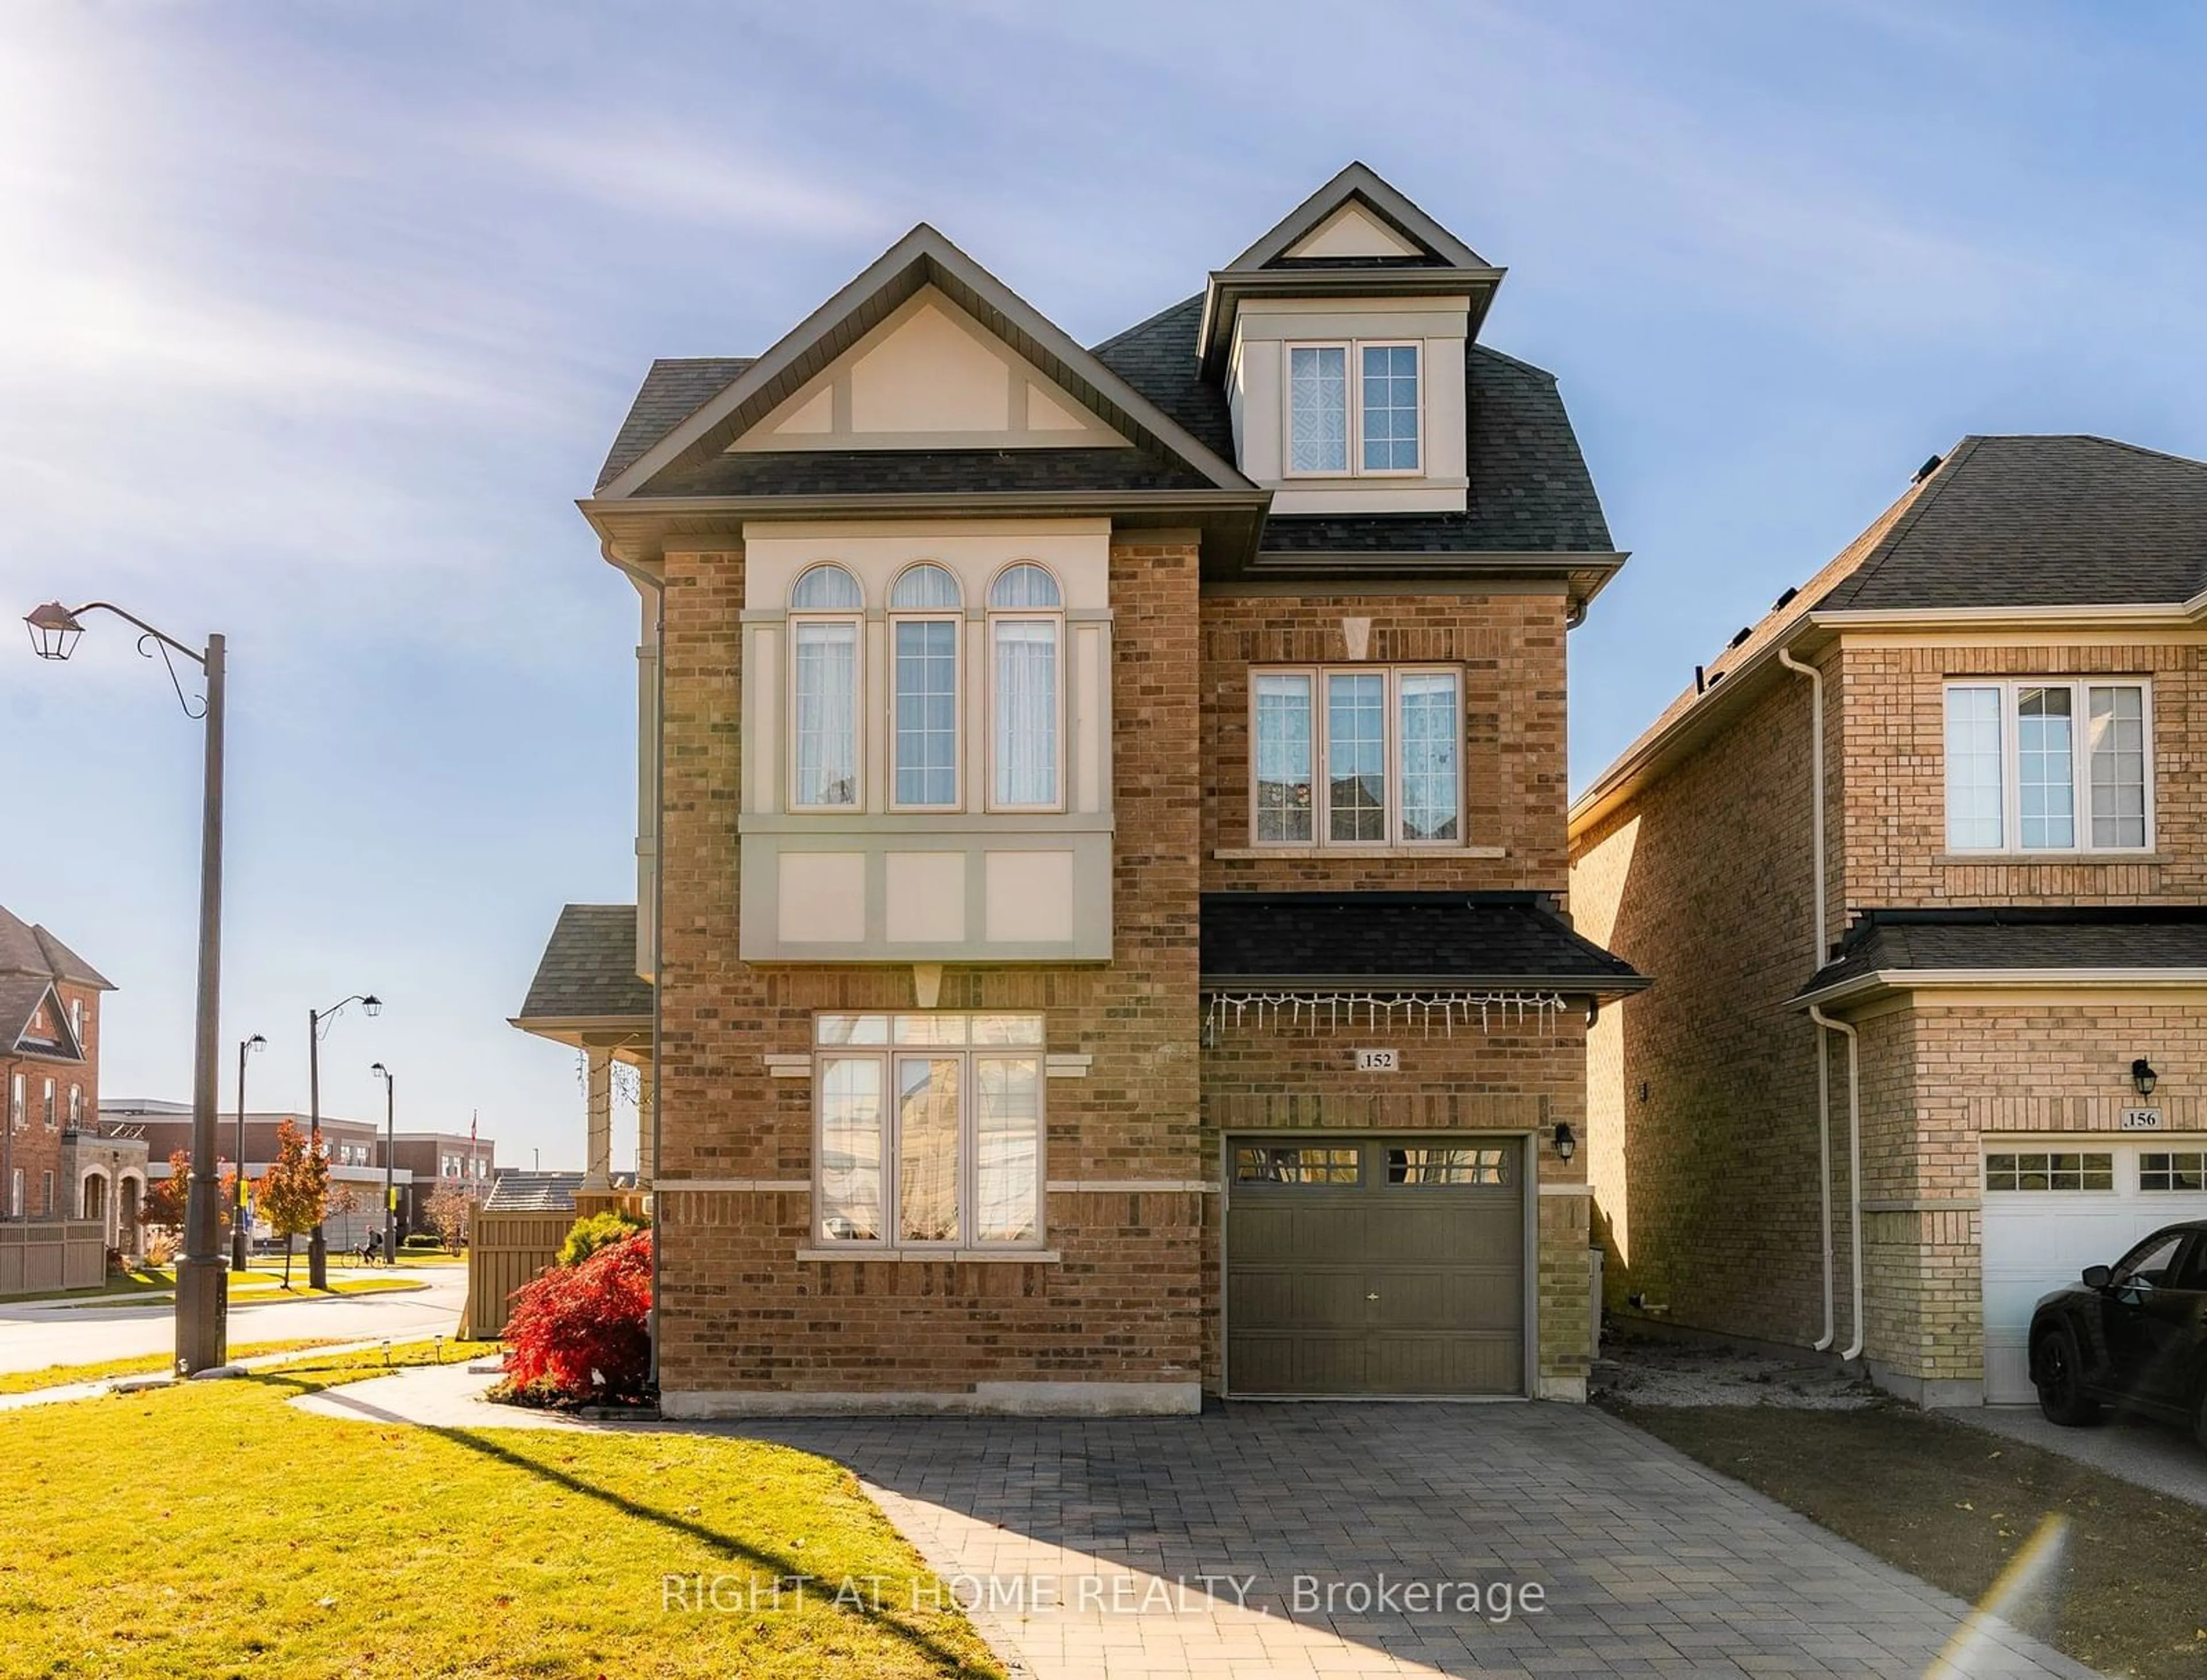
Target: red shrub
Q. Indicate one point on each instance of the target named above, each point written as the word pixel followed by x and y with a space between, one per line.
pixel 582 1332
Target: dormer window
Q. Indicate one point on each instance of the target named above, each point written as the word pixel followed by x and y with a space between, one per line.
pixel 1378 434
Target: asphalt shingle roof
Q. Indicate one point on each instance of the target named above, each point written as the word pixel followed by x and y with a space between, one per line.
pixel 2020 936
pixel 675 388
pixel 533 1193
pixel 587 971
pixel 29 948
pixel 895 471
pixel 1500 939
pixel 2041 521
pixel 1530 488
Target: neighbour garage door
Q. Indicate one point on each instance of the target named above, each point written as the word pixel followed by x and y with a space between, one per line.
pixel 1375 1266
pixel 2054 1208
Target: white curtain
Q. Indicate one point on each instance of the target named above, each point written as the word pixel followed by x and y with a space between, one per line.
pixel 1025 711
pixel 827 714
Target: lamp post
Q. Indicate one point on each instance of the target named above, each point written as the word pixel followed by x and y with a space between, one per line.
pixel 390 1142
pixel 318 1244
pixel 239 1232
pixel 202 1286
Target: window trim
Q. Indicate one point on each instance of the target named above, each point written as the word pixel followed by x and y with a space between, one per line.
pixel 856 620
pixel 1391 747
pixel 1352 361
pixel 956 619
pixel 990 617
pixel 885 1056
pixel 2080 766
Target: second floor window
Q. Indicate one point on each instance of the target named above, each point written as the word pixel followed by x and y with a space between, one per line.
pixel 1367 424
pixel 15 1103
pixel 49 1096
pixel 2049 766
pixel 1025 636
pixel 76 1105
pixel 825 627
pixel 1357 756
pixel 926 627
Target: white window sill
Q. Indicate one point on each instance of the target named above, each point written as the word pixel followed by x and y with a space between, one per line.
pixel 1242 853
pixel 1025 1257
pixel 1950 859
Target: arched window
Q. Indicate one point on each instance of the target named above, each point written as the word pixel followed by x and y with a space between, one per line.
pixel 925 629
pixel 1025 641
pixel 825 628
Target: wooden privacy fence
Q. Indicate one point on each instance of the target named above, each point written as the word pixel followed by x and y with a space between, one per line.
pixel 505 1251
pixel 44 1254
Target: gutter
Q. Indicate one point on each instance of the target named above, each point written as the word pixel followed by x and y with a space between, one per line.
pixel 1579 985
pixel 1958 979
pixel 1854 1168
pixel 1817 948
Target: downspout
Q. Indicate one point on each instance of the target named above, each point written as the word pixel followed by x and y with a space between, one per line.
pixel 644 580
pixel 1816 961
pixel 1854 1166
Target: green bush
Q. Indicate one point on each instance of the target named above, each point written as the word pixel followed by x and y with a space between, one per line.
pixel 598 1230
pixel 424 1241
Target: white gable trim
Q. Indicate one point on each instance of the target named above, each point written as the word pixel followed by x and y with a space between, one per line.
pixel 1354 231
pixel 930 376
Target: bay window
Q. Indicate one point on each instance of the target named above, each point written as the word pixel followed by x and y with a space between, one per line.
pixel 925 627
pixel 1025 639
pixel 2058 766
pixel 1377 433
pixel 825 630
pixel 930 1130
pixel 1384 743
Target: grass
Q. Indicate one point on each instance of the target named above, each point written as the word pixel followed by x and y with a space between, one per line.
pixel 252 1289
pixel 248 1538
pixel 1952 1505
pixel 143 1364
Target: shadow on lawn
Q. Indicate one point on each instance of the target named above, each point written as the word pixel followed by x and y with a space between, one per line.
pixel 781 1565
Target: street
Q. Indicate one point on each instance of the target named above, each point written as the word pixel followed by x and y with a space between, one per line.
pixel 37 1333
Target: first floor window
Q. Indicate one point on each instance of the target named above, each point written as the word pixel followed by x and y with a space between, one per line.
pixel 931 1129
pixel 2022 775
pixel 2049 1170
pixel 46 1188
pixel 1388 742
pixel 2179 1170
pixel 15 1194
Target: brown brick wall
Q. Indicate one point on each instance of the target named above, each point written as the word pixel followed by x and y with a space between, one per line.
pixel 1706 1199
pixel 34 1147
pixel 1896 820
pixel 1511 649
pixel 741 1312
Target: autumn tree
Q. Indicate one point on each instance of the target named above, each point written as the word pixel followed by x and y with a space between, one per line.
pixel 166 1199
pixel 448 1211
pixel 294 1191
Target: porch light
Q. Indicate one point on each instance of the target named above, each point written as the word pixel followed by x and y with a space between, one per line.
pixel 2143 1077
pixel 54 631
pixel 1567 1145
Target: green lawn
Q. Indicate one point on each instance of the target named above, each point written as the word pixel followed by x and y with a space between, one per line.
pixel 239 1536
pixel 60 1376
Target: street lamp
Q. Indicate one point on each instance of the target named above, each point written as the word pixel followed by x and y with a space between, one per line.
pixel 202 1287
pixel 318 1244
pixel 390 1143
pixel 238 1219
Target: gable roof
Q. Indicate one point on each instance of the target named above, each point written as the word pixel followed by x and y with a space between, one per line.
pixel 2000 523
pixel 29 948
pixel 587 972
pixel 1359 184
pixel 675 388
pixel 2060 521
pixel 680 461
pixel 20 995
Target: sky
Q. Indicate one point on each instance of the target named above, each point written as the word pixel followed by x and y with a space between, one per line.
pixel 315 319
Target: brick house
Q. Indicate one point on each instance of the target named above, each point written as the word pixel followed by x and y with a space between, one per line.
pixel 48 1076
pixel 1984 719
pixel 1101 843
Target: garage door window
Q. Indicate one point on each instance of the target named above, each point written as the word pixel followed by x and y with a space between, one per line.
pixel 2175 1171
pixel 1419 1164
pixel 2050 1172
pixel 1301 1164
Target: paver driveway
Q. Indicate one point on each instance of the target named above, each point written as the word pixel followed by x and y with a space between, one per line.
pixel 1650 1565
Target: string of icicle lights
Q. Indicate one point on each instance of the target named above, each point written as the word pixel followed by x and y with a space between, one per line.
pixel 1334 1011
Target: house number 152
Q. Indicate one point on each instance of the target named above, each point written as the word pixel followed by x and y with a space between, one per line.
pixel 1379 1062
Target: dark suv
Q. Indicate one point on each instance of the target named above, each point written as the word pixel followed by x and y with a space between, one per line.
pixel 2133 1335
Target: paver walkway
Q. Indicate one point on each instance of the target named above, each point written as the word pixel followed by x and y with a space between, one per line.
pixel 1080 1546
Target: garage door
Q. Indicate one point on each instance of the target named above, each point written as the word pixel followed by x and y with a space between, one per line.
pixel 1375 1266
pixel 2051 1209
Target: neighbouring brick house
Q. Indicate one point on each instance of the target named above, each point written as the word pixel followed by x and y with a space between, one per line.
pixel 2011 929
pixel 50 1080
pixel 1103 843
